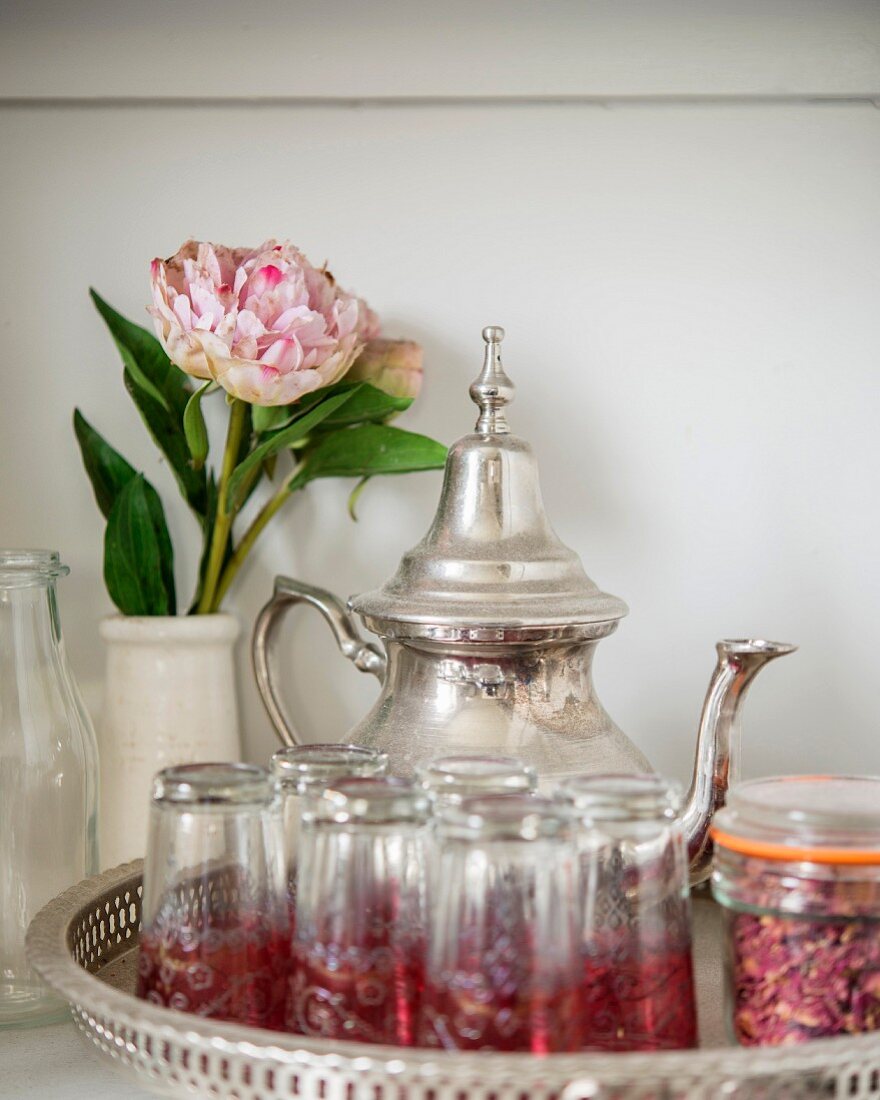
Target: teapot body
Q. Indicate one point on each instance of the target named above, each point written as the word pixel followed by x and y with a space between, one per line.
pixel 520 691
pixel 534 701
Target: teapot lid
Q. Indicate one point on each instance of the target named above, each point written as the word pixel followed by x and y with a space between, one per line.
pixel 491 558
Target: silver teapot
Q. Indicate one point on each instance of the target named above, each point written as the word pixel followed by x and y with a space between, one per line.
pixel 488 630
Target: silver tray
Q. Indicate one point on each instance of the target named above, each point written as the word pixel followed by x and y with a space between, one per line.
pixel 84 945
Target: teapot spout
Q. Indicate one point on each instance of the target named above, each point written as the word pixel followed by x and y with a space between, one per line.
pixel 716 765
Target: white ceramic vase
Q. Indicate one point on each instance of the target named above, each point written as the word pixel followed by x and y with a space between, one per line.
pixel 169 698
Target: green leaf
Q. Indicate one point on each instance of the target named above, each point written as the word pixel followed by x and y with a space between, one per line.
pixel 366 451
pixel 166 550
pixel 194 427
pixel 368 404
pixel 138 557
pixel 109 474
pixel 167 431
pixel 269 418
pixel 161 393
pixel 309 399
pixel 107 469
pixel 145 359
pixel 282 439
pixel 355 496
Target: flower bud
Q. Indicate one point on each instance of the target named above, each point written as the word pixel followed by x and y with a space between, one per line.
pixel 393 366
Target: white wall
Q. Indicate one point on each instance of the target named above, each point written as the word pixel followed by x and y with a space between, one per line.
pixel 690 291
pixel 227 49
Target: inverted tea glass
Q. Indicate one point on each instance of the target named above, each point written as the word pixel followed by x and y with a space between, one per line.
pixel 360 918
pixel 308 769
pixel 452 779
pixel 215 936
pixel 503 964
pixel 637 964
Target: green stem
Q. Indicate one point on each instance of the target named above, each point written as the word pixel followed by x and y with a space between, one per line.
pixel 224 516
pixel 235 563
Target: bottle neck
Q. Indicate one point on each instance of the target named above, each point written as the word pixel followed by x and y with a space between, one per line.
pixel 30 626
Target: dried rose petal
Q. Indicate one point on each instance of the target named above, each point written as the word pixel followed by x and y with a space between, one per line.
pixel 796 978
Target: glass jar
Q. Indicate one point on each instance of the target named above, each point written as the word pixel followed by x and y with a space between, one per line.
pixel 358 949
pixel 797 871
pixel 48 774
pixel 215 939
pixel 638 968
pixel 451 779
pixel 503 965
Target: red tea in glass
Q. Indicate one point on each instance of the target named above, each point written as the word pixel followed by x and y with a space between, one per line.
pixel 370 996
pixel 359 944
pixel 234 969
pixel 493 1004
pixel 639 1000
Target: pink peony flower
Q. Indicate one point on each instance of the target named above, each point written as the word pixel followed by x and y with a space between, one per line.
pixel 264 323
pixel 394 366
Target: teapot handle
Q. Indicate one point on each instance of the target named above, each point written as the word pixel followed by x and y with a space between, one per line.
pixel 366 656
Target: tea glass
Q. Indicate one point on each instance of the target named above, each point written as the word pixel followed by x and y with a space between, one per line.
pixel 215 938
pixel 358 954
pixel 451 779
pixel 503 962
pixel 638 991
pixel 308 769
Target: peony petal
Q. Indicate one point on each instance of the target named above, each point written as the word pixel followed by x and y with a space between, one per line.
pixel 240 279
pixel 265 279
pixel 285 354
pixel 248 348
pixel 225 330
pixel 346 316
pixel 207 306
pixel 209 263
pixel 369 325
pixel 185 350
pixel 250 381
pixel 296 316
pixel 248 324
pixel 183 311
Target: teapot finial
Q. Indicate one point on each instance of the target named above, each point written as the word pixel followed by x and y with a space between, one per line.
pixel 493 389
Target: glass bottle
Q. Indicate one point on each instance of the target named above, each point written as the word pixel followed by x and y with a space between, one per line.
pixel 48 774
pixel 638 969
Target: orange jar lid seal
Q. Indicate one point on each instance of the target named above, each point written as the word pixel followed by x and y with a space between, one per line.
pixel 763 849
pixel 830 819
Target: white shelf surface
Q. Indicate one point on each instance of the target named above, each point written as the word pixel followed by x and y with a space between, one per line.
pixel 57 1063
